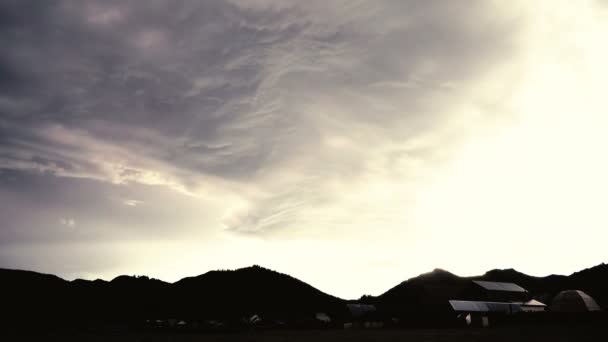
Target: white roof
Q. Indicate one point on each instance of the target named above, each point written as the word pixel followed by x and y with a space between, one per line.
pixel 533 302
pixel 473 306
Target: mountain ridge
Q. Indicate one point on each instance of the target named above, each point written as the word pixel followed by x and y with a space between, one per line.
pixel 507 275
pixel 232 295
pixel 258 290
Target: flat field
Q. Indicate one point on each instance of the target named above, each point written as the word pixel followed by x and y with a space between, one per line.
pixel 424 335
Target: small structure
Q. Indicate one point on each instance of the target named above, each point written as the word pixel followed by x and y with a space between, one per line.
pixel 358 311
pixel 323 317
pixel 214 323
pixel 574 301
pixel 363 316
pixel 533 306
pixel 255 319
pixel 478 313
pixel 465 306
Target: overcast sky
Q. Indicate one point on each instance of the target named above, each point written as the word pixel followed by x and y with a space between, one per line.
pixel 352 144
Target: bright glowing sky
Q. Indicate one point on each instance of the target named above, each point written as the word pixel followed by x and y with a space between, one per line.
pixel 352 144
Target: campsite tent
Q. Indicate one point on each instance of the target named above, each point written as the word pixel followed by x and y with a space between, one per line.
pixel 573 301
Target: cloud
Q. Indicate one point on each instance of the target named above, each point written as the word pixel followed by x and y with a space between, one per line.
pixel 283 106
pixel 132 202
pixel 275 120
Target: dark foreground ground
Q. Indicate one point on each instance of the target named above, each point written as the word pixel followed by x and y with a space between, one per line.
pixel 468 335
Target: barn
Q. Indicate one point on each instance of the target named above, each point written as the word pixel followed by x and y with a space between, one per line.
pixel 485 299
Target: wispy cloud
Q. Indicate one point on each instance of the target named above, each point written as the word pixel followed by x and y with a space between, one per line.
pixel 132 202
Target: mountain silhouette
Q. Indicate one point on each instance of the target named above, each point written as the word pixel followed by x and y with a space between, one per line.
pixel 250 291
pixel 218 295
pixel 428 293
pixel 236 295
pixel 423 297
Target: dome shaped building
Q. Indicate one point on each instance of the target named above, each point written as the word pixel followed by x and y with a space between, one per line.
pixel 573 301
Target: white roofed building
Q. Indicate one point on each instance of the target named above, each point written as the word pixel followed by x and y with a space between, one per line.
pixel 486 299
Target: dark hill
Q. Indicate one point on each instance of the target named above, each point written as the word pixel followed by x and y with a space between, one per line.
pixel 227 295
pixel 231 295
pixel 429 292
pixel 253 290
pixel 594 281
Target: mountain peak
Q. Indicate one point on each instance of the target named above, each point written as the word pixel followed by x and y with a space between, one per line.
pixel 440 271
pixel 437 273
pixel 509 271
pixel 255 268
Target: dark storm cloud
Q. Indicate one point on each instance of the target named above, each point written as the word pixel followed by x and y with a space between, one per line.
pixel 95 65
pixel 198 84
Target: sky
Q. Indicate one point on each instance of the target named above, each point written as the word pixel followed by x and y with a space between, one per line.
pixel 351 144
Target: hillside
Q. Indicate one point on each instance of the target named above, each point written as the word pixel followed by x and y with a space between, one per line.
pixel 234 295
pixel 228 295
pixel 252 290
pixel 429 292
pixel 426 294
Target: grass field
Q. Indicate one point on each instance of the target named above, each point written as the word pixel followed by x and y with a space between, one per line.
pixel 469 335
